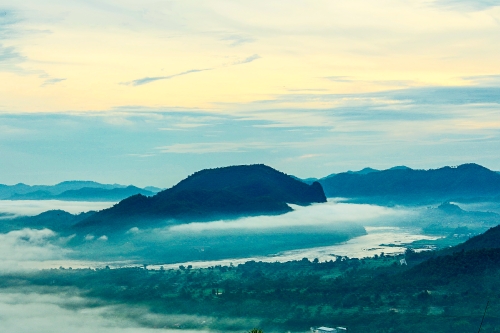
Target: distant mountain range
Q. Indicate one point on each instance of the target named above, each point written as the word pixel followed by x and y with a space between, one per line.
pixel 401 185
pixel 73 190
pixel 212 194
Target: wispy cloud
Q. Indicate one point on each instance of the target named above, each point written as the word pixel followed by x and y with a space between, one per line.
pixel 339 78
pixel 213 147
pixel 237 40
pixel 484 80
pixel 10 57
pixel 474 5
pixel 52 81
pixel 146 80
pixel 248 59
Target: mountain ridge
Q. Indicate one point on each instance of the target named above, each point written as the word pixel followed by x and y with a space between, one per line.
pixel 402 184
pixel 210 194
pixel 115 192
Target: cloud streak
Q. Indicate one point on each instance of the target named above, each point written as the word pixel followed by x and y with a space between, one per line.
pixel 238 40
pixel 213 147
pixel 470 5
pixel 52 81
pixel 146 80
pixel 248 59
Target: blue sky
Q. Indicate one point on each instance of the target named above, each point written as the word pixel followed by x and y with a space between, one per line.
pixel 150 92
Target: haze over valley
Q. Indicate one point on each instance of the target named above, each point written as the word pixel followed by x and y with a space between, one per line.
pixel 284 166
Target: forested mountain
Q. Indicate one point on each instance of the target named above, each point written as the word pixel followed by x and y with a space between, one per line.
pixel 212 194
pixel 56 220
pixel 405 185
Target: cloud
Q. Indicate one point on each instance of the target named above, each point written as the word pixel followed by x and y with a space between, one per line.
pixel 339 78
pixel 52 81
pixel 484 80
pixel 247 60
pixel 26 310
pixel 35 207
pixel 20 248
pixel 237 40
pixel 213 147
pixel 146 80
pixel 10 57
pixel 328 214
pixel 474 5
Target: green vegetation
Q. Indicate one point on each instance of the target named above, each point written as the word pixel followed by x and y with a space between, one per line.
pixel 432 294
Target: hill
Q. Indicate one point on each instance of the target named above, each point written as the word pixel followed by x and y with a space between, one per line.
pixel 212 194
pixel 488 240
pixel 57 220
pixel 402 185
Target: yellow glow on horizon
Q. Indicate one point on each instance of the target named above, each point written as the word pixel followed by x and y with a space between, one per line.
pixel 369 47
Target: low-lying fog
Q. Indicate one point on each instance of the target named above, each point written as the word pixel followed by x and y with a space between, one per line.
pixel 26 311
pixel 314 232
pixel 315 215
pixel 310 232
pixel 35 207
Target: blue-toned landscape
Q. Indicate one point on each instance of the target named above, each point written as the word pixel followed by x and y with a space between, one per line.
pixel 249 167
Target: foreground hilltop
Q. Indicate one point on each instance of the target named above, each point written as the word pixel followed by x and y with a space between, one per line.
pixel 210 194
pixel 405 185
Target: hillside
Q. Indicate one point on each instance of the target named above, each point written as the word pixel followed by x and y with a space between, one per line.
pixel 488 240
pixel 405 185
pixel 212 194
pixel 56 220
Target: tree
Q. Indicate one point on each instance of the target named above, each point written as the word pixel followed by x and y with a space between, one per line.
pixel 256 330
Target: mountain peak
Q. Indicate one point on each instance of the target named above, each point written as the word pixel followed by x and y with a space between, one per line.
pixel 209 194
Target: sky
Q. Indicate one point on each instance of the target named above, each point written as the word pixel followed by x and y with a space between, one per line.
pixel 148 92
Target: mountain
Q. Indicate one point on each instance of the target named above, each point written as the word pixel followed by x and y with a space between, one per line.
pixel 308 181
pixel 212 194
pixel 404 185
pixel 73 190
pixel 85 194
pixel 57 220
pixel 364 171
pixel 488 240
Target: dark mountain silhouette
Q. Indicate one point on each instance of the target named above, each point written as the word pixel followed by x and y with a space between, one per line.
pixel 308 181
pixel 57 220
pixel 405 185
pixel 72 190
pixel 211 194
